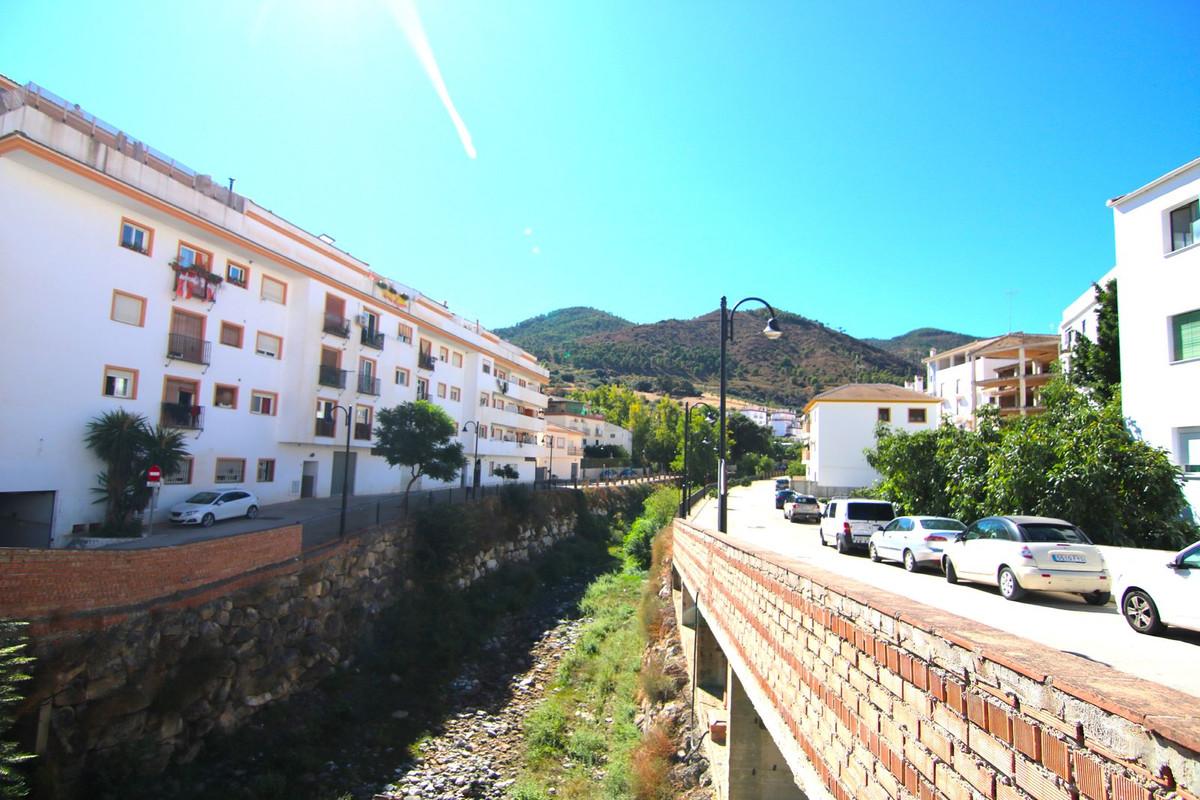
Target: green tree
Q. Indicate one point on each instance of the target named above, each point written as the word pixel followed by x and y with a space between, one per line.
pixel 1098 366
pixel 417 435
pixel 746 436
pixel 702 449
pixel 128 446
pixel 662 438
pixel 506 471
pixel 14 670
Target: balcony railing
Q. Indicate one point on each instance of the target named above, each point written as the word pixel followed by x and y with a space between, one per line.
pixel 368 384
pixel 338 326
pixel 331 376
pixel 362 430
pixel 188 348
pixel 372 338
pixel 422 394
pixel 325 427
pixel 194 280
pixel 425 360
pixel 181 415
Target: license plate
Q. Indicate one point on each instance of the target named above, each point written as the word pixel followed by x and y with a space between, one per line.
pixel 1068 558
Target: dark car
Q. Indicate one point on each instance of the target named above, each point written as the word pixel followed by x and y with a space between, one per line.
pixel 629 472
pixel 783 496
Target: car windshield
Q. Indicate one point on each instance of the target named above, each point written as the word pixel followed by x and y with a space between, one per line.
pixel 806 499
pixel 1049 532
pixel 942 525
pixel 870 512
pixel 203 498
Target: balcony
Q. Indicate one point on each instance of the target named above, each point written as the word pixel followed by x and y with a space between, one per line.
pixel 362 430
pixel 331 376
pixel 422 394
pixel 368 384
pixel 179 415
pixel 325 427
pixel 372 338
pixel 425 361
pixel 195 281
pixel 338 326
pixel 188 348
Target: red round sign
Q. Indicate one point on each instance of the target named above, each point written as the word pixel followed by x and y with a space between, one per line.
pixel 154 474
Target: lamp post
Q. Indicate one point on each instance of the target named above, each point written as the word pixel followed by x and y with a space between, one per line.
pixel 549 439
pixel 771 331
pixel 475 471
pixel 684 506
pixel 332 417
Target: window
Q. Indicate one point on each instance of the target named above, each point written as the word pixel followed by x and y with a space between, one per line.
pixel 230 470
pixel 1189 449
pixel 182 474
pixel 443 354
pixel 1185 225
pixel 483 398
pixel 1185 333
pixel 190 256
pixel 237 274
pixel 455 394
pixel 120 383
pixel 401 376
pixel 404 333
pixel 128 308
pixel 274 290
pixel 265 473
pixel 487 368
pixel 263 403
pixel 884 415
pixel 362 422
pixel 136 237
pixel 326 426
pixel 456 359
pixel 269 345
pixel 442 390
pixel 501 375
pixel 422 389
pixel 231 334
pixel 225 396
pixel 916 415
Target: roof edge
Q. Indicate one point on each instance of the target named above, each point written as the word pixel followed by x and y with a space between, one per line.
pixel 1121 198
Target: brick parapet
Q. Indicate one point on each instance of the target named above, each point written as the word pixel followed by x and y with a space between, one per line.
pixel 885 697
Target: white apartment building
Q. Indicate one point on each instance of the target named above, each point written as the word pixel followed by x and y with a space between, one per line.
pixel 840 425
pixel 593 428
pixel 1157 230
pixel 204 312
pixel 562 456
pixel 782 423
pixel 759 416
pixel 1081 320
pixel 1006 371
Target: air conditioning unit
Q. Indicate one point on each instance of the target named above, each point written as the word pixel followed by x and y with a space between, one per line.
pixel 362 320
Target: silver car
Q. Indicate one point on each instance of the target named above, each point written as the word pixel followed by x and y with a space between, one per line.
pixel 802 508
pixel 914 541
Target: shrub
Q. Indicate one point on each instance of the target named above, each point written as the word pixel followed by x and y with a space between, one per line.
pixel 13 671
pixel 546 731
pixel 650 762
pixel 655 684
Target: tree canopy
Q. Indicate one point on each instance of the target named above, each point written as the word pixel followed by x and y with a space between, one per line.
pixel 1098 366
pixel 417 435
pixel 129 446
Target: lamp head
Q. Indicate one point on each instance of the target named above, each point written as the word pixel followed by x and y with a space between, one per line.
pixel 772 330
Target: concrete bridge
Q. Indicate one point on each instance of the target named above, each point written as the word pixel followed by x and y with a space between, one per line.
pixel 815 686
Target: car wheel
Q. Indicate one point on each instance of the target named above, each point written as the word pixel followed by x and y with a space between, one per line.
pixel 1009 588
pixel 951 575
pixel 208 520
pixel 871 552
pixel 251 512
pixel 1097 598
pixel 1140 612
pixel 821 534
pixel 841 545
pixel 910 561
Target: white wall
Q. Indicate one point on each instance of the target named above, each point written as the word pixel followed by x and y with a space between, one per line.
pixel 842 431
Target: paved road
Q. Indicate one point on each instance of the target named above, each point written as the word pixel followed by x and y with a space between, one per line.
pixel 1061 621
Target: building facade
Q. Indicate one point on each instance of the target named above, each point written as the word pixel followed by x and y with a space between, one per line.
pixel 204 312
pixel 593 428
pixel 1157 231
pixel 1080 320
pixel 1004 371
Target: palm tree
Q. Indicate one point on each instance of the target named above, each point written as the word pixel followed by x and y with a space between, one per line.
pixel 163 448
pixel 118 439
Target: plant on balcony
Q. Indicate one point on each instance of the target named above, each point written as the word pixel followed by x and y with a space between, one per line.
pixel 506 471
pixel 391 292
pixel 129 446
pixel 198 270
pixel 417 435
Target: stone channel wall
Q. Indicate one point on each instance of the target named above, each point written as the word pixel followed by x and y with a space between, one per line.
pixel 869 694
pixel 148 652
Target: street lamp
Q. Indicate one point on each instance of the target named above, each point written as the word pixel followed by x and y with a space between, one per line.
pixel 332 417
pixel 548 439
pixel 475 477
pixel 771 331
pixel 684 505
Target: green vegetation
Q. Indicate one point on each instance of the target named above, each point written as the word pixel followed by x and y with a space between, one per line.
pixel 1077 461
pixel 658 511
pixel 14 667
pixel 129 446
pixel 1098 366
pixel 417 435
pixel 916 344
pixel 552 336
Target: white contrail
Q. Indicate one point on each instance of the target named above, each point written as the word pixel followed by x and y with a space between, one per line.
pixel 405 14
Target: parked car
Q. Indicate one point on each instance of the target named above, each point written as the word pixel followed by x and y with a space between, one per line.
pixel 914 541
pixel 802 507
pixel 848 522
pixel 1153 596
pixel 783 483
pixel 783 497
pixel 205 508
pixel 1018 554
pixel 628 472
pixel 608 474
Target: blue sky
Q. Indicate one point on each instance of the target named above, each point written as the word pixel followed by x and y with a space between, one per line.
pixel 877 166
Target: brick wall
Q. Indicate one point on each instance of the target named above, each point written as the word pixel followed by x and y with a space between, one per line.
pixel 872 695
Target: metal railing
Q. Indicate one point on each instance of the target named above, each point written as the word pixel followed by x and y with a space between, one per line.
pixel 425 360
pixel 188 348
pixel 368 384
pixel 325 427
pixel 362 430
pixel 180 415
pixel 331 376
pixel 372 338
pixel 338 326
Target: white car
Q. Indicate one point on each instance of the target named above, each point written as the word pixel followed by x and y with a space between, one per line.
pixel 1152 597
pixel 205 508
pixel 848 522
pixel 914 541
pixel 1018 554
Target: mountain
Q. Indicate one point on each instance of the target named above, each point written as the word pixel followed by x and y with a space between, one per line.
pixel 682 356
pixel 552 335
pixel 915 345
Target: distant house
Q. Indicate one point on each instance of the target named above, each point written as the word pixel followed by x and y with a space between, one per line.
pixel 840 425
pixel 1157 230
pixel 1005 371
pixel 561 453
pixel 578 416
pixel 1080 320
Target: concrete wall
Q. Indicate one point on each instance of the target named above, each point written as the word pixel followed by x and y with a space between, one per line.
pixel 867 694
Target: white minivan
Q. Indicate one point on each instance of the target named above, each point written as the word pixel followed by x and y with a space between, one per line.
pixel 848 522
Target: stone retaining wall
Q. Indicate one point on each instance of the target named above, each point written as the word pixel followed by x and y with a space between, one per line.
pixel 869 694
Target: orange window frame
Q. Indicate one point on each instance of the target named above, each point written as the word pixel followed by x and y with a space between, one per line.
pixel 216 470
pixel 208 262
pixel 241 332
pixel 258 470
pixel 229 262
pixel 104 382
pixel 112 312
pixel 263 288
pixel 274 398
pixel 278 356
pixel 149 235
pixel 217 387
